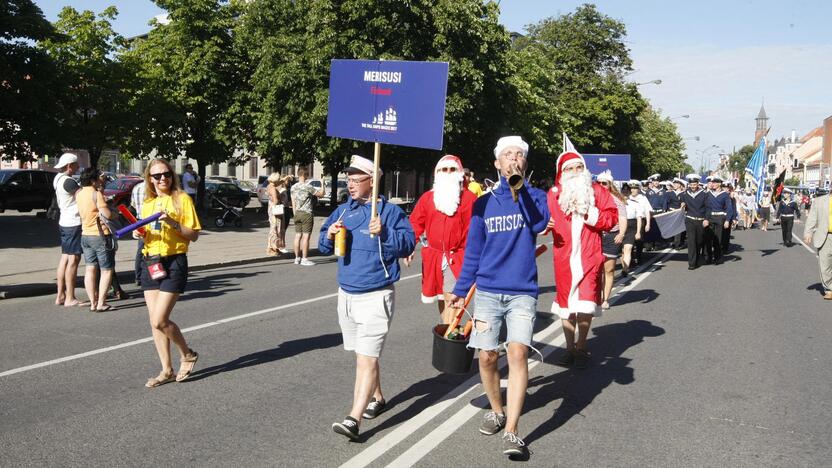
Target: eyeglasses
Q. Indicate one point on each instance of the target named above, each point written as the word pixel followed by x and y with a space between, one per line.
pixel 604 183
pixel 166 175
pixel 358 180
pixel 448 169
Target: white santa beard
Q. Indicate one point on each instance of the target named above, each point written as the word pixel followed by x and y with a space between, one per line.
pixel 576 195
pixel 446 192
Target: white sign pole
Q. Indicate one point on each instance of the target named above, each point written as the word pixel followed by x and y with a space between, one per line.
pixel 376 164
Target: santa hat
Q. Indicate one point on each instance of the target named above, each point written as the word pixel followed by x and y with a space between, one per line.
pixel 507 141
pixel 567 158
pixel 449 160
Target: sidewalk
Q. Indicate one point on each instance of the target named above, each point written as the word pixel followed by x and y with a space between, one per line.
pixel 30 249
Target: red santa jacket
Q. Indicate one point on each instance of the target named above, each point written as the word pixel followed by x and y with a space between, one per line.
pixel 446 237
pixel 577 274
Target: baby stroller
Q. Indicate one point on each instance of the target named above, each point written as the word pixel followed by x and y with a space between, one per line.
pixel 229 214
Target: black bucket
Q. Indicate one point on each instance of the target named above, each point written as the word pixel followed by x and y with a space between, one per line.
pixel 450 356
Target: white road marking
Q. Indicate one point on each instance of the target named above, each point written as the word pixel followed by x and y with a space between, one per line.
pixel 429 442
pixel 811 250
pixel 184 330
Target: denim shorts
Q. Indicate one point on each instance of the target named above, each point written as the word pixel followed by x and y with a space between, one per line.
pixel 491 310
pixel 96 253
pixel 71 240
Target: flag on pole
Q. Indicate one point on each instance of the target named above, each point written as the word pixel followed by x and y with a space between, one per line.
pixel 777 187
pixel 756 169
pixel 567 145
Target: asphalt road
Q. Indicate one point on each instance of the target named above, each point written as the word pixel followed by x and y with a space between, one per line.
pixel 722 366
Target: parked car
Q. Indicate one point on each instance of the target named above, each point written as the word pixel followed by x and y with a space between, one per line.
pixel 25 190
pixel 263 192
pixel 229 193
pixel 118 190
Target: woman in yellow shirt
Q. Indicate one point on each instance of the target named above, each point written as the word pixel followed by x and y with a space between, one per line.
pixel 164 274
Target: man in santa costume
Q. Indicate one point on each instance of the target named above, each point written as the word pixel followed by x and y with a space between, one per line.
pixel 443 215
pixel 581 210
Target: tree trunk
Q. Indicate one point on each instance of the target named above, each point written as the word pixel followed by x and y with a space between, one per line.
pixel 333 196
pixel 200 190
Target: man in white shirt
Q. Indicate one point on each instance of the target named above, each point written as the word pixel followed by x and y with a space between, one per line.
pixel 190 182
pixel 69 225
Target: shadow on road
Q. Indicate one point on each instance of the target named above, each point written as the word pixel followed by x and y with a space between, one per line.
pixel 816 287
pixel 285 350
pixel 578 389
pixel 215 285
pixel 430 390
pixel 767 252
pixel 642 295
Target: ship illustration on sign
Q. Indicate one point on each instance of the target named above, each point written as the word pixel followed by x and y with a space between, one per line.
pixel 386 121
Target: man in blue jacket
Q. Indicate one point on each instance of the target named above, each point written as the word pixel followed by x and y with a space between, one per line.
pixel 500 259
pixel 366 275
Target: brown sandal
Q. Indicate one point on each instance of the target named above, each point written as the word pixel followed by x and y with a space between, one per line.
pixel 191 359
pixel 160 379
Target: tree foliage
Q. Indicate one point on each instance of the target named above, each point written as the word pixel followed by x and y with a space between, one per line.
pixel 29 84
pixel 658 146
pixel 188 75
pixel 569 77
pixel 739 160
pixel 93 108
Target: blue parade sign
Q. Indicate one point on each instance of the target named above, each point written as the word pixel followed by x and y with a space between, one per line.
pixel 617 164
pixel 387 101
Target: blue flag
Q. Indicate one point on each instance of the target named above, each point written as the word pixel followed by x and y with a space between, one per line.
pixel 756 169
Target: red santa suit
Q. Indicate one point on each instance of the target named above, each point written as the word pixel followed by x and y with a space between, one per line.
pixel 577 247
pixel 446 235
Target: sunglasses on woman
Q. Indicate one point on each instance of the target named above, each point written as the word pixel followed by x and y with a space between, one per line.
pixel 605 184
pixel 166 175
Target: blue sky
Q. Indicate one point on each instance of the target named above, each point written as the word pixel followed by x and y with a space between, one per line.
pixel 718 60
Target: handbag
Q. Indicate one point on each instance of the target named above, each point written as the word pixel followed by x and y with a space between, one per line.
pixel 277 210
pixel 110 240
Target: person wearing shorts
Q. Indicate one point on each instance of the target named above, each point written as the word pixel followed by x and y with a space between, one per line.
pixel 366 275
pixel 500 259
pixel 69 226
pixel 302 193
pixel 612 240
pixel 165 264
pixel 97 241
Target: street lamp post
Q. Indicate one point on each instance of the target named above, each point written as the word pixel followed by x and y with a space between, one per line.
pixel 655 82
pixel 683 116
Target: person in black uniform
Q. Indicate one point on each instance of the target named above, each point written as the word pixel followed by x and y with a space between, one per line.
pixel 674 202
pixel 657 196
pixel 787 211
pixel 694 202
pixel 719 209
pixel 732 217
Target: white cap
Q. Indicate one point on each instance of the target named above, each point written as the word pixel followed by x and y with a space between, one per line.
pixel 66 159
pixel 605 176
pixel 507 141
pixel 680 180
pixel 654 177
pixel 693 177
pixel 359 164
pixel 634 183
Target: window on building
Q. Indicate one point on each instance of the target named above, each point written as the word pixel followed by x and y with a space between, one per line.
pixel 252 167
pixel 215 169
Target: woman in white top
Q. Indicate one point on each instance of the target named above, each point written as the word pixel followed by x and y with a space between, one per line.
pixel 611 241
pixel 635 215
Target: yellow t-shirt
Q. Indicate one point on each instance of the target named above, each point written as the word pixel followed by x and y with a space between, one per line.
pixel 89 211
pixel 161 238
pixel 475 187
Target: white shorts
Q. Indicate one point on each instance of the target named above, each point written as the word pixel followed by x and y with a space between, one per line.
pixel 365 319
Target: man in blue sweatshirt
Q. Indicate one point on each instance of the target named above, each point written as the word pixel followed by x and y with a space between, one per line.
pixel 366 274
pixel 500 259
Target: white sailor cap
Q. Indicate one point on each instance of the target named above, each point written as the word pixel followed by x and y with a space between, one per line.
pixel 362 165
pixel 787 190
pixel 679 180
pixel 714 178
pixel 653 177
pixel 693 177
pixel 634 183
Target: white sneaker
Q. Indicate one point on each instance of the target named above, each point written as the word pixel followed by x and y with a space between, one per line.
pixel 307 262
pixel 297 260
pixel 283 251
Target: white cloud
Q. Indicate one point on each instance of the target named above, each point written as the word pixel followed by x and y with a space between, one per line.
pixel 722 89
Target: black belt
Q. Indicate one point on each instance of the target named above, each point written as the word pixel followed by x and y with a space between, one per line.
pixel 695 218
pixel 657 211
pixel 787 216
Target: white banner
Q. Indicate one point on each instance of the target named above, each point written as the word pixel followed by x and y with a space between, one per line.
pixel 670 223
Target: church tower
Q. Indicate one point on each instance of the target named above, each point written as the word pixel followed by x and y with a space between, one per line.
pixel 762 125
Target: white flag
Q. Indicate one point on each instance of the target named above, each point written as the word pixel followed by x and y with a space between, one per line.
pixel 670 223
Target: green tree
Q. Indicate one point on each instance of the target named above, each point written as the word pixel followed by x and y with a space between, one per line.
pixel 188 73
pixel 739 160
pixel 569 77
pixel 290 45
pixel 29 84
pixel 658 146
pixel 93 110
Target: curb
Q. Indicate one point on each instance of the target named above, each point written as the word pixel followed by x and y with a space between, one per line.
pixel 46 289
